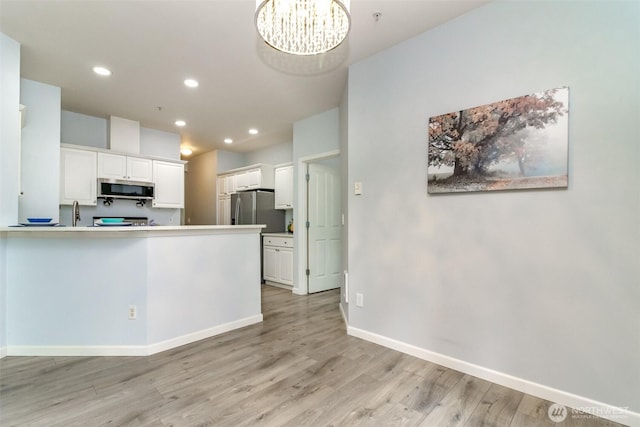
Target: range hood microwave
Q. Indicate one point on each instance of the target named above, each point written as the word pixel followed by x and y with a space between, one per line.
pixel 122 189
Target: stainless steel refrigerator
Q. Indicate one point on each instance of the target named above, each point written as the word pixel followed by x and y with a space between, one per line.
pixel 256 207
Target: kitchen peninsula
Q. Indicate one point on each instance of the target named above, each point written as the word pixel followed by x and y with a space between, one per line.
pixel 126 290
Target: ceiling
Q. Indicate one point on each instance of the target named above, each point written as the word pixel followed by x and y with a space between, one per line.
pixel 152 46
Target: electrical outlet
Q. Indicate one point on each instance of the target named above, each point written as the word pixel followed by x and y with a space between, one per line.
pixel 359 300
pixel 133 312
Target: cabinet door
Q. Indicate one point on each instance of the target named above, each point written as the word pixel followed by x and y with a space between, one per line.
pixel 284 188
pixel 241 180
pixel 270 263
pixel 169 184
pixel 139 169
pixel 112 166
pixel 224 210
pixel 286 266
pixel 254 178
pixel 78 176
pixel 222 185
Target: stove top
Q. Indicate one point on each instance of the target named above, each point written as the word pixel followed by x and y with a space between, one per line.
pixel 134 220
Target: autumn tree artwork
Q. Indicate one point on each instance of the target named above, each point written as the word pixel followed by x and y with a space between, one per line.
pixel 517 143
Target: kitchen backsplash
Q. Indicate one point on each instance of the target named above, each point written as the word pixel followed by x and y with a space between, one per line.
pixel 121 208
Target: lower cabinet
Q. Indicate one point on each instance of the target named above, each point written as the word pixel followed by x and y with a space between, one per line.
pixel 277 253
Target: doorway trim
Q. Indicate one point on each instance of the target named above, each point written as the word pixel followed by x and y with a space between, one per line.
pixel 300 244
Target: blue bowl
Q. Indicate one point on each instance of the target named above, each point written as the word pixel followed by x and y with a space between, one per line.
pixel 39 220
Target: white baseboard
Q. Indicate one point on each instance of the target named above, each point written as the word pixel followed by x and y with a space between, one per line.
pixel 589 406
pixel 200 335
pixel 77 350
pixel 3 352
pixel 129 350
pixel 298 291
pixel 343 314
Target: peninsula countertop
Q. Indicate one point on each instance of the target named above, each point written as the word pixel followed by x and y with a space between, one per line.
pixel 60 231
pixel 126 290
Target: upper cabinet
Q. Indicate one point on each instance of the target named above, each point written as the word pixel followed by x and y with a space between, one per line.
pixel 169 188
pixel 284 187
pixel 80 169
pixel 78 178
pixel 248 178
pixel 117 166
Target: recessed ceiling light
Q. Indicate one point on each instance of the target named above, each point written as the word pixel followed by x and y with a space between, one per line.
pixel 253 131
pixel 228 141
pixel 191 83
pixel 102 71
pixel 186 151
pixel 180 123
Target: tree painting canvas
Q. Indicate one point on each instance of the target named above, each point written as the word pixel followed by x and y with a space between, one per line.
pixel 517 143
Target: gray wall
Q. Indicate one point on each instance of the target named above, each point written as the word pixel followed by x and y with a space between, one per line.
pixel 540 285
pixel 90 131
pixel 311 137
pixel 274 155
pixel 9 159
pixel 40 151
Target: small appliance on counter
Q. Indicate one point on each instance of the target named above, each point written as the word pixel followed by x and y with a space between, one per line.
pixel 118 221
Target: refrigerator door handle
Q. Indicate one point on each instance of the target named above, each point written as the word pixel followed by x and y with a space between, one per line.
pixel 237 217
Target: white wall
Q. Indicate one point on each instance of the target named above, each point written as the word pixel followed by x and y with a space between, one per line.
pixel 312 136
pixel 540 285
pixel 40 151
pixel 158 143
pixel 273 155
pixel 9 129
pixel 227 160
pixel 90 131
pixel 344 193
pixel 81 129
pixel 9 158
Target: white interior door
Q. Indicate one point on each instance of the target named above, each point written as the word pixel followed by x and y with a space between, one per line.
pixel 324 231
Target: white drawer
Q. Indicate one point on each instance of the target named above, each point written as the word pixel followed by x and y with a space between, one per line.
pixel 282 242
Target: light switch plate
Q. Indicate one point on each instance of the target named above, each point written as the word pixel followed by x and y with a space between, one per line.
pixel 357 188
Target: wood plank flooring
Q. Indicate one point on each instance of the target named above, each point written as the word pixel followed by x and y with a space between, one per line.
pixel 297 368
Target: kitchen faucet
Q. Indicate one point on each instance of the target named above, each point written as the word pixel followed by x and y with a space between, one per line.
pixel 75 213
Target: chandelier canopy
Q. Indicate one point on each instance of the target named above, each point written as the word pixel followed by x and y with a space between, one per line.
pixel 303 27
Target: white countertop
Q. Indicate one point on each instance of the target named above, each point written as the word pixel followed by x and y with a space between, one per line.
pixel 137 230
pixel 283 234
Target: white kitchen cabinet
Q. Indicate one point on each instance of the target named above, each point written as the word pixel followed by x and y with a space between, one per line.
pixel 277 253
pixel 117 166
pixel 169 184
pixel 78 176
pixel 226 184
pixel 284 187
pixel 224 210
pixel 254 177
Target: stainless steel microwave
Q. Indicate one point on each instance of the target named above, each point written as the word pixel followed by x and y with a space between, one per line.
pixel 122 189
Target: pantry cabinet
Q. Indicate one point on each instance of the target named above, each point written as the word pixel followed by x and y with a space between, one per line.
pixel 224 210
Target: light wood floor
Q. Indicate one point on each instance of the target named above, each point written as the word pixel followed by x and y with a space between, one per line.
pixel 297 368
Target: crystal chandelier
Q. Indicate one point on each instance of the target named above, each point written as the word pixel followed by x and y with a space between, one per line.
pixel 303 27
